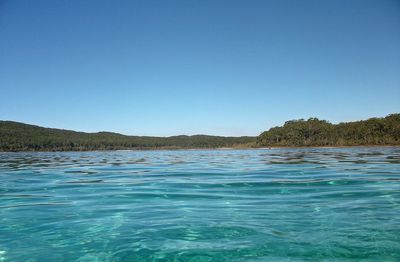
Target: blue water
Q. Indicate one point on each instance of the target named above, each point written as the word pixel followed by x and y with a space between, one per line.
pixel 201 205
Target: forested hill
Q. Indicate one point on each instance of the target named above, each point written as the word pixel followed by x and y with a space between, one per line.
pixel 16 136
pixel 315 132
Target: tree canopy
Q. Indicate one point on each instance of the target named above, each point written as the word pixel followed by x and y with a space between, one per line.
pixel 16 136
pixel 315 132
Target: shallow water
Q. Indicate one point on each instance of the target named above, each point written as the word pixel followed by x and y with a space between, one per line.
pixel 201 205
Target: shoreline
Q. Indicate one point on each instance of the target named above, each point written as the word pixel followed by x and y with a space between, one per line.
pixel 198 149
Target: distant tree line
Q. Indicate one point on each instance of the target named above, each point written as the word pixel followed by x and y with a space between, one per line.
pixel 16 136
pixel 315 132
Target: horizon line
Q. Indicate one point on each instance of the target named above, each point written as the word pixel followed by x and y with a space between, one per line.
pixel 189 135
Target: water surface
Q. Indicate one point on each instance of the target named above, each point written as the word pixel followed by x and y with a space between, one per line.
pixel 338 204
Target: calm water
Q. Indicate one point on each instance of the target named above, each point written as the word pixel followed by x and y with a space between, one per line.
pixel 208 205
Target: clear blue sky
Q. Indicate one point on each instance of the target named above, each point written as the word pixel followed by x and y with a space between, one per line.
pixel 189 67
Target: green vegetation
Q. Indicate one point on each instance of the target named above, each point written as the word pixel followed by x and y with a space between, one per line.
pixel 295 133
pixel 315 132
pixel 22 137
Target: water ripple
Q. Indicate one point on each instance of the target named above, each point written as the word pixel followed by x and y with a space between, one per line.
pixel 331 204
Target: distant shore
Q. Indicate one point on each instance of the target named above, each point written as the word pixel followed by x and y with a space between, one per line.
pixel 199 149
pixel 310 133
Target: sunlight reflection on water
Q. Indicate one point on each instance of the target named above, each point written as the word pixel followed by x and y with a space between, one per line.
pixel 201 205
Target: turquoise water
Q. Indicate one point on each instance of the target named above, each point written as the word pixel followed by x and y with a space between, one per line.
pixel 201 205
